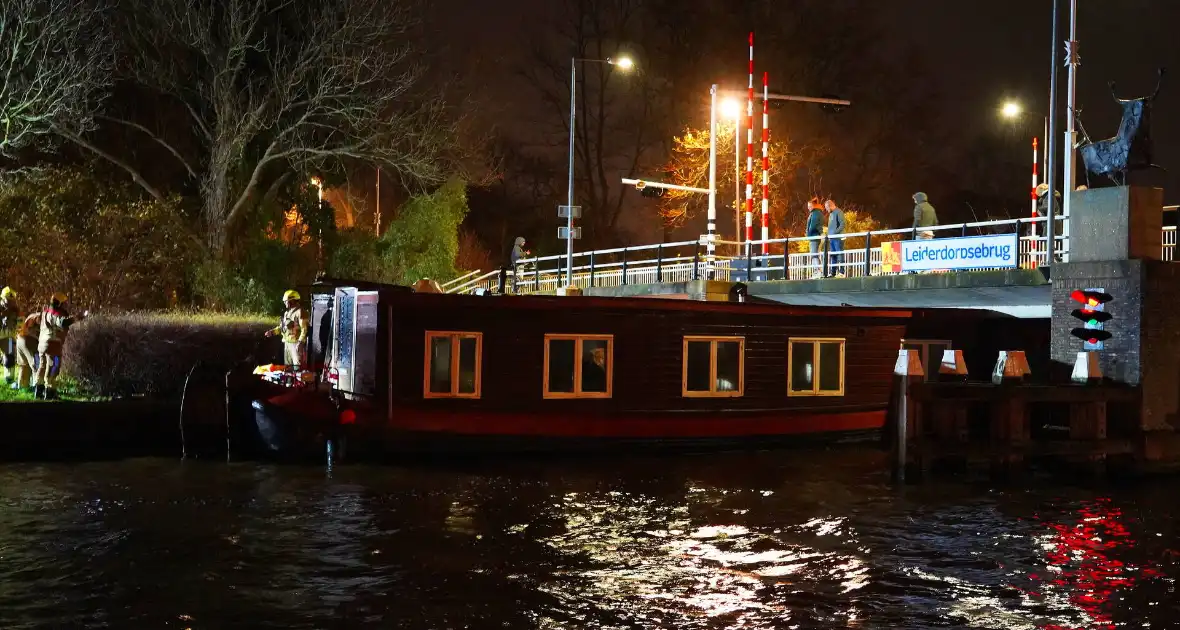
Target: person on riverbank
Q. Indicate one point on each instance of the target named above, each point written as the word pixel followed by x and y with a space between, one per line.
pixel 293 328
pixel 55 325
pixel 26 351
pixel 10 322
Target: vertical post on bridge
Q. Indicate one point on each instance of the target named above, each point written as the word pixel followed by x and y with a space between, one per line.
pixel 711 243
pixel 765 163
pixel 750 149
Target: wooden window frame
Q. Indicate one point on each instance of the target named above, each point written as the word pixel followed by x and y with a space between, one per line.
pixel 713 393
pixel 578 393
pixel 816 341
pixel 455 336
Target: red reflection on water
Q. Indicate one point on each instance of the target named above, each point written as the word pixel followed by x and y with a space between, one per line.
pixel 1079 560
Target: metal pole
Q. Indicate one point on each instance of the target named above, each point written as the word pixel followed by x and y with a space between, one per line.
pixel 765 163
pixel 1036 163
pixel 711 245
pixel 737 185
pixel 377 221
pixel 1051 155
pixel 569 219
pixel 750 148
pixel 1071 132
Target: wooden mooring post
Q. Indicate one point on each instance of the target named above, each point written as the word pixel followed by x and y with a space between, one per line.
pixel 907 372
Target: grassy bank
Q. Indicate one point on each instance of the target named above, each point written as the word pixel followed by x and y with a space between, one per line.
pixel 151 353
pixel 66 389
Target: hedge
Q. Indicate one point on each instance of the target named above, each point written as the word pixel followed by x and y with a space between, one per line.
pixel 151 353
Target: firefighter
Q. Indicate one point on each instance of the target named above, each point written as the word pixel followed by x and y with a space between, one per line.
pixel 10 321
pixel 26 351
pixel 55 323
pixel 293 328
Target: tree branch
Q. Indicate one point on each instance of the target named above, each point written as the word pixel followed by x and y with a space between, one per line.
pixel 160 141
pixel 135 175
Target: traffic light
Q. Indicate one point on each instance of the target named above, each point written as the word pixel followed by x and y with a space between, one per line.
pixel 1093 315
pixel 652 192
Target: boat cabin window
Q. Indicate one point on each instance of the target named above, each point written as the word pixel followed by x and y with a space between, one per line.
pixel 714 366
pixel 815 367
pixel 578 366
pixel 452 366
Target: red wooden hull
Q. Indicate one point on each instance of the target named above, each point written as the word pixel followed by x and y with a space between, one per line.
pixel 646 425
pixel 297 425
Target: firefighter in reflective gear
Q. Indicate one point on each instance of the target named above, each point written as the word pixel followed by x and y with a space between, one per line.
pixel 10 321
pixel 293 328
pixel 55 323
pixel 26 351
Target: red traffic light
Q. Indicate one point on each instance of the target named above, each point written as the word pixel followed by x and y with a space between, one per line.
pixel 1090 335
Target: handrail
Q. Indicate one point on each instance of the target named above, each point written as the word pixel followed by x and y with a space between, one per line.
pixel 462 277
pixel 613 266
pixel 473 282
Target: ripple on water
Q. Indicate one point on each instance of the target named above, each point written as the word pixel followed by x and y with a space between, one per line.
pixel 749 542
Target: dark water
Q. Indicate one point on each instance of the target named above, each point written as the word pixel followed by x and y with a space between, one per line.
pixel 776 540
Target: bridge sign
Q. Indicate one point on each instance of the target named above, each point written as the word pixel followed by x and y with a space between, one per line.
pixel 995 251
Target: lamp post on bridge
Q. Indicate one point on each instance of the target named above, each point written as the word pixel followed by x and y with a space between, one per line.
pixel 623 63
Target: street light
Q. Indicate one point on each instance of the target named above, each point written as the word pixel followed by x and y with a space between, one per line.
pixel 732 108
pixel 622 63
pixel 1011 109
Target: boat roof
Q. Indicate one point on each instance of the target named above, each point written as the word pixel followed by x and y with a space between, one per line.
pixel 749 307
pixel 752 306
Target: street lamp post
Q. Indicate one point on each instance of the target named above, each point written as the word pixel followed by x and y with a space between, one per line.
pixel 730 108
pixel 623 63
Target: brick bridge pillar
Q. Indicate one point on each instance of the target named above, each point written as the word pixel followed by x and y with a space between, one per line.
pixel 1115 245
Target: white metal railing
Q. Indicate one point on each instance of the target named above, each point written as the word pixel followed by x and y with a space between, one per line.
pixel 794 258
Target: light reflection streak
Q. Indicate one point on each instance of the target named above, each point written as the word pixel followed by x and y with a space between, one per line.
pixel 694 574
pixel 1082 573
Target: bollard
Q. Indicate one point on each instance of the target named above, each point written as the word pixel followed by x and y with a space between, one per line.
pixel 952 368
pixel 1086 370
pixel 1011 367
pixel 907 369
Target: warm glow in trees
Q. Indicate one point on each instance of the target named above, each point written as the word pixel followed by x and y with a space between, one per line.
pixel 791 174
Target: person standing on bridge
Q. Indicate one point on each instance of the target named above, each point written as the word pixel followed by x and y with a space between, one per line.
pixel 518 253
pixel 924 217
pixel 815 229
pixel 836 225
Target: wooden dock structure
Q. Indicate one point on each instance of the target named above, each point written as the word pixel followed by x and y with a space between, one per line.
pixel 954 424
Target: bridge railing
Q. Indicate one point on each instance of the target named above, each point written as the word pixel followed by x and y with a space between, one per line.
pixel 794 258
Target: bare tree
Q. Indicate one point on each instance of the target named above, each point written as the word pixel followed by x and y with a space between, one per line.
pixel 55 68
pixel 271 89
pixel 614 129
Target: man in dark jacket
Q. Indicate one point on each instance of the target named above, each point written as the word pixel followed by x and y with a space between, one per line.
pixel 518 253
pixel 815 228
pixel 836 227
pixel 924 216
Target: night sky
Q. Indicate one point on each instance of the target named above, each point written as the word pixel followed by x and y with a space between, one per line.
pixel 979 54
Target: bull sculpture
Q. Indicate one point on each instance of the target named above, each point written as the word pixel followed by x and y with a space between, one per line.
pixel 1129 150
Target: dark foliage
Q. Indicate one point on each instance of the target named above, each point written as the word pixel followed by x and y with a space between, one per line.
pixel 150 354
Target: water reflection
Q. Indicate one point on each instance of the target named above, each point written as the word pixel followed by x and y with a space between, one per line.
pixel 765 541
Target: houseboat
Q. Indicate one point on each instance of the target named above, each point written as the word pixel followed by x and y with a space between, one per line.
pixel 403 372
